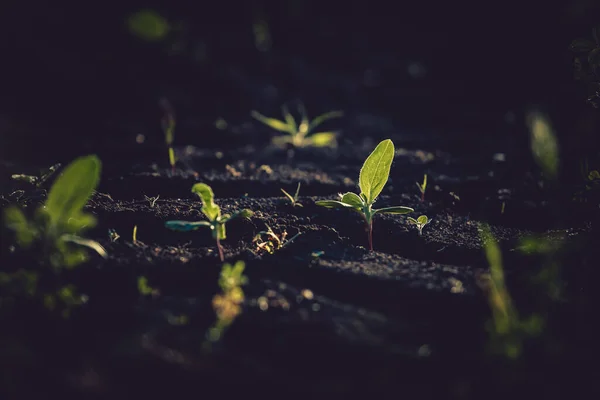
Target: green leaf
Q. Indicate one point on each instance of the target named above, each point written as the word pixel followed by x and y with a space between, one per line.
pixel 187 226
pixel 582 45
pixel 324 117
pixel 289 196
pixel 273 123
pixel 72 189
pixel 245 213
pixel 91 244
pixel 423 220
pixel 148 25
pixel 544 144
pixel 321 139
pixel 376 170
pixel 394 210
pixel 209 208
pixel 79 222
pixel 15 220
pixel 289 119
pixel 412 221
pixel 353 199
pixel 220 232
pixel 332 204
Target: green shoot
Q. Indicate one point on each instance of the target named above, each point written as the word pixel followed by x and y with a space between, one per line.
pixel 294 198
pixel 134 235
pixel 216 222
pixel 228 303
pixel 268 241
pixel 372 178
pixel 168 126
pixel 59 222
pixel 422 187
pixel 419 223
pixel 544 144
pixel 300 134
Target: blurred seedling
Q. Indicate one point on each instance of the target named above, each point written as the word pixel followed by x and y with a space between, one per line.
pixel 371 180
pixel 422 187
pixel 268 241
pixel 145 289
pixel 294 198
pixel 419 223
pixel 228 303
pixel 151 200
pixel 216 222
pixel 300 133
pixel 37 180
pixel 58 224
pixel 168 127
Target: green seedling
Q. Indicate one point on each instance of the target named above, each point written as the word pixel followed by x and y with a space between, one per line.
pixel 419 223
pixel 268 241
pixel 37 180
pixel 57 225
pixel 168 126
pixel 228 303
pixel 371 180
pixel 216 222
pixel 294 198
pixel 300 134
pixel 422 187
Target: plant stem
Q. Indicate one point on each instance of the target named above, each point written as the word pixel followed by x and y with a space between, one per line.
pixel 422 196
pixel 370 230
pixel 220 248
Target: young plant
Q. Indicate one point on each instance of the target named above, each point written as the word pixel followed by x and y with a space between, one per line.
pixel 372 178
pixel 57 225
pixel 419 223
pixel 422 187
pixel 300 134
pixel 216 222
pixel 294 198
pixel 168 126
pixel 268 241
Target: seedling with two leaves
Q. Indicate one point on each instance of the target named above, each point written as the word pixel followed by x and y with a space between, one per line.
pixel 216 222
pixel 372 179
pixel 419 223
pixel 294 198
pixel 57 225
pixel 300 134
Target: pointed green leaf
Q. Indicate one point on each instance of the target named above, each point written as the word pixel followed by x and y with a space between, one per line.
pixel 422 220
pixel 289 119
pixel 272 122
pixel 324 117
pixel 353 199
pixel 220 232
pixel 322 139
pixel 297 191
pixel 394 210
pixel 186 226
pixel 209 208
pixel 289 196
pixel 91 244
pixel 376 170
pixel 245 213
pixel 73 188
pixel 333 204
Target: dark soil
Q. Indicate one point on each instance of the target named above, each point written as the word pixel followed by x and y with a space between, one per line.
pixel 406 319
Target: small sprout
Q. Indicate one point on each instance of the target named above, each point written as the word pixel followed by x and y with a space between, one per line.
pixel 372 178
pixel 168 126
pixel 152 200
pixel 59 222
pixel 419 223
pixel 422 187
pixel 294 198
pixel 134 235
pixel 216 222
pixel 268 241
pixel 300 134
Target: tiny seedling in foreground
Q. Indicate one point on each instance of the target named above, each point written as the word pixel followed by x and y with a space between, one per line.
pixel 422 187
pixel 372 178
pixel 300 134
pixel 216 222
pixel 419 223
pixel 60 221
pixel 294 198
pixel 168 126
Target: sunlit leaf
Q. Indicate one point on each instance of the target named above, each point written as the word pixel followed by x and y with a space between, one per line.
pixel 148 25
pixel 322 139
pixel 352 199
pixel 376 170
pixel 209 208
pixel 332 204
pixel 423 220
pixel 91 244
pixel 395 210
pixel 272 122
pixel 544 144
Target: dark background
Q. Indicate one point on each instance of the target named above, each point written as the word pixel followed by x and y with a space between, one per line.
pixel 74 79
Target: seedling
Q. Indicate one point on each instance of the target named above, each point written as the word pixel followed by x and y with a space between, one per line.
pixel 371 180
pixel 300 134
pixel 168 126
pixel 419 223
pixel 227 304
pixel 216 222
pixel 268 241
pixel 59 222
pixel 422 187
pixel 38 181
pixel 294 198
